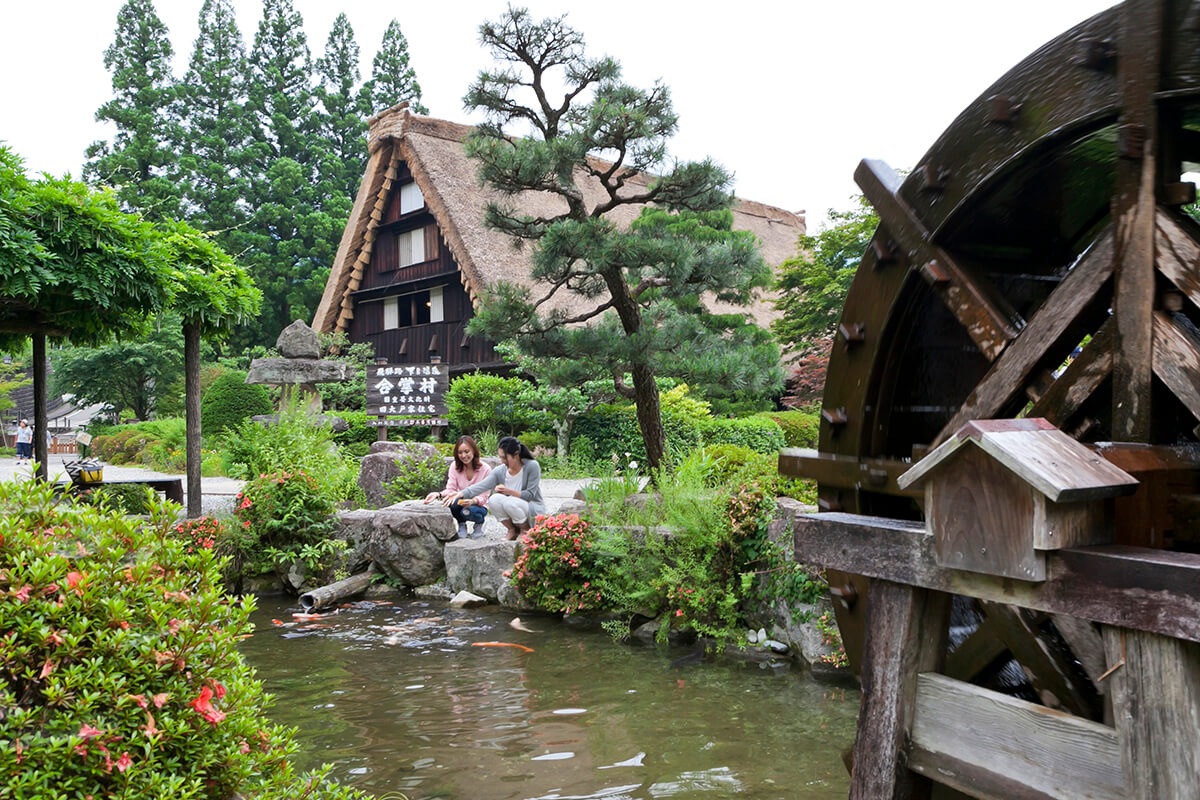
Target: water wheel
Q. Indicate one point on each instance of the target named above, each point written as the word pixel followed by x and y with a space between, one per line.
pixel 1039 261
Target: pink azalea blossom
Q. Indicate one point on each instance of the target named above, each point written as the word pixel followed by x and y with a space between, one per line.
pixel 88 732
pixel 124 762
pixel 204 707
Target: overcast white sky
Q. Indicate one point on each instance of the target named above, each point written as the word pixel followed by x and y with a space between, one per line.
pixel 789 95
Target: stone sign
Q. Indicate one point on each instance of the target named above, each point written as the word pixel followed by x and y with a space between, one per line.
pixel 414 391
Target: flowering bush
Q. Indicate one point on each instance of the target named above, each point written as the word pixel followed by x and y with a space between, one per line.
pixel 557 569
pixel 205 533
pixel 119 670
pixel 282 514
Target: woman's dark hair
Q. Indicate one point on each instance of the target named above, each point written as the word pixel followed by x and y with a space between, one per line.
pixel 469 442
pixel 513 446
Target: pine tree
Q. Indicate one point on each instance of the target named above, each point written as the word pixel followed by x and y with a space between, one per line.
pixel 280 90
pixel 140 160
pixel 392 78
pixel 343 131
pixel 635 290
pixel 215 133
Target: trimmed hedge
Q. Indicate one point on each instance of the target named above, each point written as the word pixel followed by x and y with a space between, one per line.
pixel 757 433
pixel 801 428
pixel 230 401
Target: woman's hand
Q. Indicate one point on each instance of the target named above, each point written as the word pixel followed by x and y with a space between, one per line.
pixel 451 498
pixel 429 498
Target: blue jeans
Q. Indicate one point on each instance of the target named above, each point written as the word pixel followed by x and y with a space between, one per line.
pixel 470 513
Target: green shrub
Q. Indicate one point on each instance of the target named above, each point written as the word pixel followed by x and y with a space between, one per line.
pixel 801 427
pixel 556 569
pixel 285 516
pixel 759 434
pixel 230 400
pixel 358 430
pixel 479 400
pixel 731 465
pixel 122 676
pixel 532 439
pixel 418 477
pixel 123 498
pixel 613 430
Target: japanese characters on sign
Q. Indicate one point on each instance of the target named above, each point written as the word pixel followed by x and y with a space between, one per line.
pixel 409 390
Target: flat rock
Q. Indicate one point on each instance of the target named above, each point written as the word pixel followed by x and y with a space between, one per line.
pixel 478 565
pixel 406 541
pixel 571 507
pixel 465 599
pixel 298 341
pixel 436 591
pixel 280 371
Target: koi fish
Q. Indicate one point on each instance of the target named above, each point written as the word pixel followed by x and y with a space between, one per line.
pixel 502 644
pixel 517 625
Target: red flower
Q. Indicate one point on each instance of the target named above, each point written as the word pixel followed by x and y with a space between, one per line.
pixel 88 732
pixel 73 579
pixel 124 762
pixel 204 707
pixel 23 594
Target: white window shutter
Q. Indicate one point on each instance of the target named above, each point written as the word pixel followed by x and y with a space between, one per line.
pixel 391 314
pixel 410 198
pixel 435 305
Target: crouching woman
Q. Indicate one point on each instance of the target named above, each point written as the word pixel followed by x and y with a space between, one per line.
pixel 466 471
pixel 516 486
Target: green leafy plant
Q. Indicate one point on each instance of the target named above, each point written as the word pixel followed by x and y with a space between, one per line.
pixel 557 567
pixel 123 498
pixel 478 400
pixel 229 401
pixel 831 635
pixel 418 477
pixel 757 433
pixel 120 671
pixel 282 513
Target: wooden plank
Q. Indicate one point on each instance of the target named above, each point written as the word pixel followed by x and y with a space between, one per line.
pixel 1054 681
pixel 1002 748
pixel 847 472
pixel 1058 313
pixel 906 635
pixel 1134 211
pixel 1177 254
pixel 1156 705
pixel 989 320
pixel 1177 361
pixel 1079 380
pixel 1153 590
pixel 975 653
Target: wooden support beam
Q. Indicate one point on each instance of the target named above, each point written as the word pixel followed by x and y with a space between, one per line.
pixel 906 635
pixel 975 653
pixel 1060 310
pixel 847 472
pixel 1177 254
pixel 1134 209
pixel 1177 360
pixel 1079 380
pixel 996 747
pixel 1156 705
pixel 1153 590
pixel 987 317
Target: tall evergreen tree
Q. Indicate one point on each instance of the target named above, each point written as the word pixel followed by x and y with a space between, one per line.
pixel 343 131
pixel 214 130
pixel 140 160
pixel 392 78
pixel 290 241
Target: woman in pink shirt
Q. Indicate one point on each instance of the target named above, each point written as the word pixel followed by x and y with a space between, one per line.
pixel 467 470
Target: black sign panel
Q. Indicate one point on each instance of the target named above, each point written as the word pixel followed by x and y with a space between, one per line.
pixel 411 390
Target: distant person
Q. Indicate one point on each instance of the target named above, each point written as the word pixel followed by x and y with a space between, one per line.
pixel 517 485
pixel 24 442
pixel 467 470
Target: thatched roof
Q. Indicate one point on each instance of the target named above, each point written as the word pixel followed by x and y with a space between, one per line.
pixel 433 151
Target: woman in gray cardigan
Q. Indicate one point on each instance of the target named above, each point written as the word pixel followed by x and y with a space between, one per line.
pixel 516 488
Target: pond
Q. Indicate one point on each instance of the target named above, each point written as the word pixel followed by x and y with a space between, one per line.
pixel 400 699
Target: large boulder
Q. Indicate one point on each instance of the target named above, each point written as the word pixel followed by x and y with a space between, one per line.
pixel 355 528
pixel 478 565
pixel 407 539
pixel 298 341
pixel 382 465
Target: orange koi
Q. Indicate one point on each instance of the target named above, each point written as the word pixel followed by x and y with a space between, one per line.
pixel 502 644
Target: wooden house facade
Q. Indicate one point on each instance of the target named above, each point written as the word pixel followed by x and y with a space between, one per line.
pixel 416 255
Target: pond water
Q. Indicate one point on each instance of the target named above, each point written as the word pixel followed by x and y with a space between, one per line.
pixel 400 699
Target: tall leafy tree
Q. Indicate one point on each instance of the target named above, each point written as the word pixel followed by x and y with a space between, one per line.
pixel 342 128
pixel 393 79
pixel 215 132
pixel 813 283
pixel 280 90
pixel 635 291
pixel 140 160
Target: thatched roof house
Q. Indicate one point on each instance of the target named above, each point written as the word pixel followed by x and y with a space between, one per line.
pixel 416 255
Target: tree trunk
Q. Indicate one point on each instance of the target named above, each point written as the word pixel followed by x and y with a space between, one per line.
pixel 40 455
pixel 649 416
pixel 191 370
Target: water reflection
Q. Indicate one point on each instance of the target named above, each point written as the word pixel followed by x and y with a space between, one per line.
pixel 400 699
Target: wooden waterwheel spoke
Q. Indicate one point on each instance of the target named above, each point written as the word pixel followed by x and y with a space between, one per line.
pixel 987 317
pixel 1079 380
pixel 1177 359
pixel 1177 254
pixel 1012 370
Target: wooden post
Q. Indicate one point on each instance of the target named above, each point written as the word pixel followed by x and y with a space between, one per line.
pixel 40 454
pixel 191 369
pixel 906 635
pixel 1138 67
pixel 1156 707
